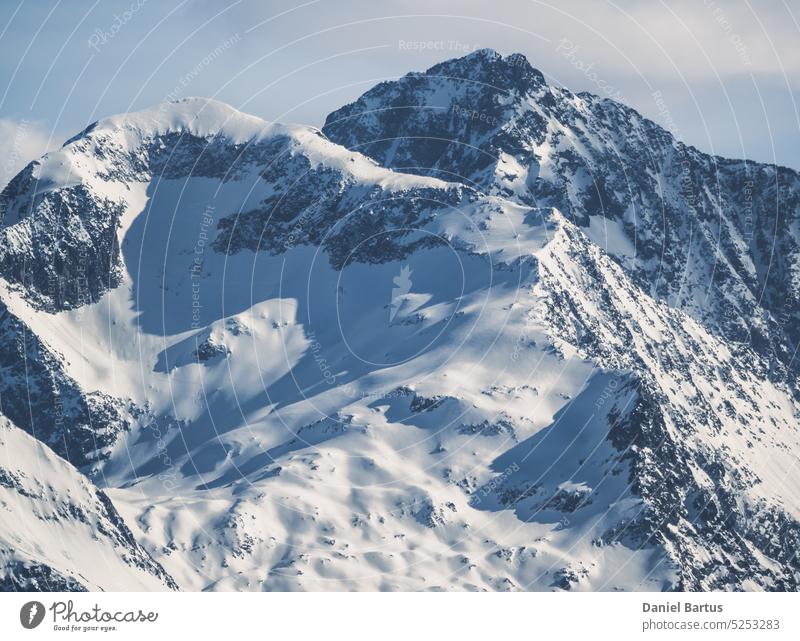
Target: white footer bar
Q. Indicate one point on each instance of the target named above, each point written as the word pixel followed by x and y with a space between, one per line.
pixel 401 617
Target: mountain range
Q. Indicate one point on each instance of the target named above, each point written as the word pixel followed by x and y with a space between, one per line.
pixel 477 333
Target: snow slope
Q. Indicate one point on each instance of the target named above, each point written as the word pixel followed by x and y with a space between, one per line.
pixel 59 532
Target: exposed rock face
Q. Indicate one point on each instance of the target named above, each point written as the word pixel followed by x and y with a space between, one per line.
pixel 64 253
pixel 705 524
pixel 41 398
pixel 21 577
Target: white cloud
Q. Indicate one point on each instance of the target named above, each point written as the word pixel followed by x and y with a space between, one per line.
pixel 20 142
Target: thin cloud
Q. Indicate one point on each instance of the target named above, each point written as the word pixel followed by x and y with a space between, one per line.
pixel 20 142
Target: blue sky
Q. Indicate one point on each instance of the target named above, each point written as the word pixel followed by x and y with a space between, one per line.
pixel 726 73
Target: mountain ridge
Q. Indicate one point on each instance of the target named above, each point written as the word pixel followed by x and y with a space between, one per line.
pixel 555 149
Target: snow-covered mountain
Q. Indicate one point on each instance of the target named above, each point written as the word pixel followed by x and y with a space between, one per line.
pixel 477 333
pixel 59 532
pixel 717 238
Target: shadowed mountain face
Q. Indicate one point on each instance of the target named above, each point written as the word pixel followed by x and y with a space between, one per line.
pixel 478 333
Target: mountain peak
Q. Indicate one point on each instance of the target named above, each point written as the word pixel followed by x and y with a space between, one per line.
pixel 453 120
pixel 490 67
pixel 195 115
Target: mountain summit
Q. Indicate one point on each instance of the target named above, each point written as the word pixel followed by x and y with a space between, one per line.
pixel 696 231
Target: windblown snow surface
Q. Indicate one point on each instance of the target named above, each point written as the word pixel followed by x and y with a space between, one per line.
pixel 549 348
